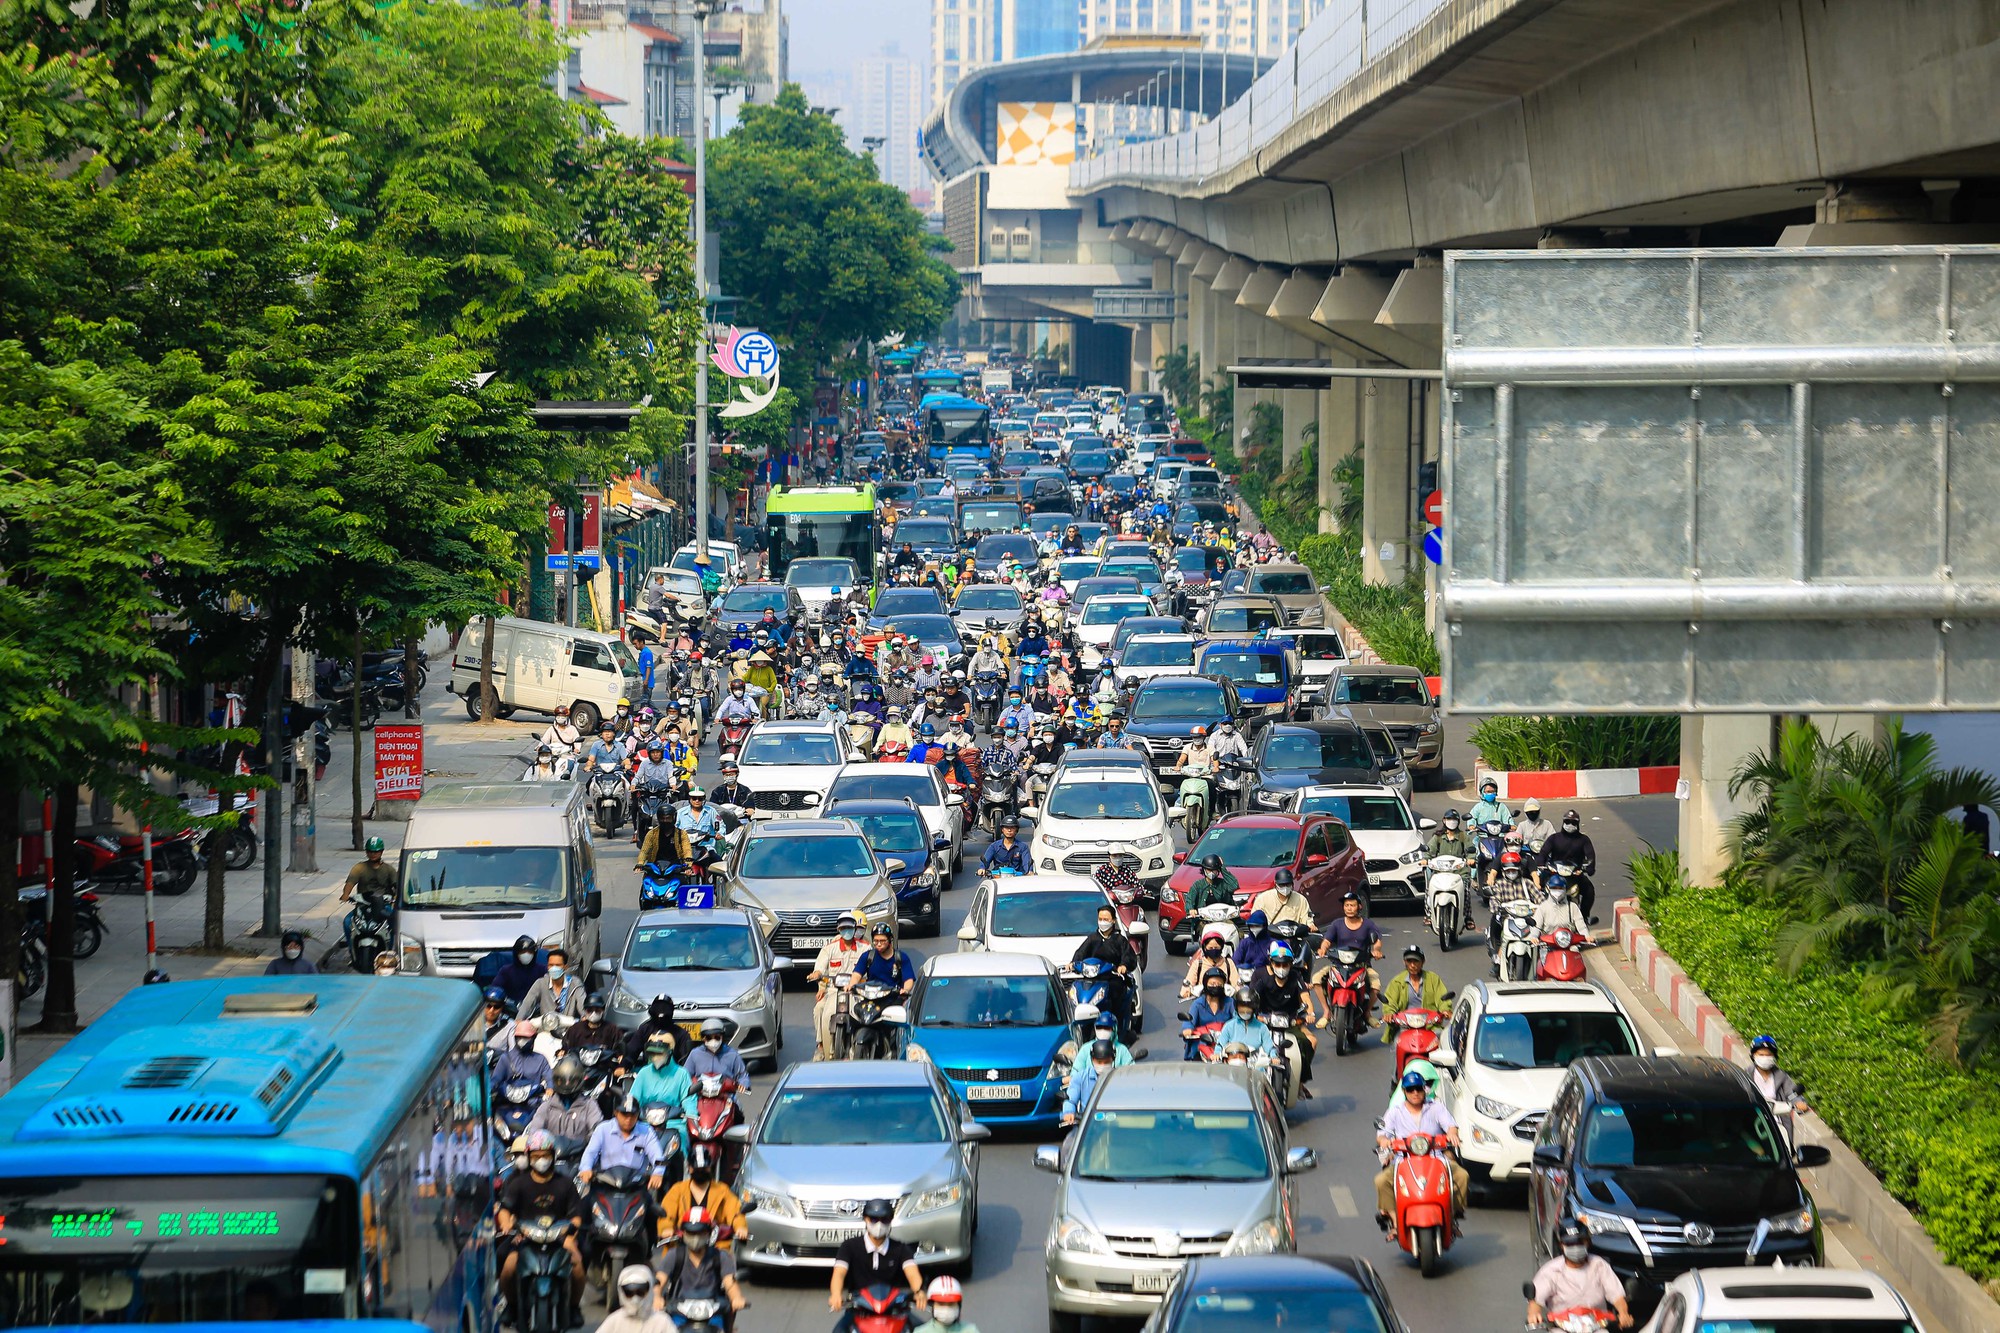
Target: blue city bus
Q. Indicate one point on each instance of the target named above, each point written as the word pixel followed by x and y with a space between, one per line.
pixel 270 1150
pixel 955 427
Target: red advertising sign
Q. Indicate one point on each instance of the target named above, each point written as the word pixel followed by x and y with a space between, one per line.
pixel 593 521
pixel 558 528
pixel 399 761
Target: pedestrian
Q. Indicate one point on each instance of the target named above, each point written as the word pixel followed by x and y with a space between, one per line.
pixel 293 961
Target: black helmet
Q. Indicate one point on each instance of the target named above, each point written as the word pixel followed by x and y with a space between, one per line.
pixel 627 1105
pixel 661 1010
pixel 1570 1232
pixel 525 943
pixel 1282 877
pixel 878 1210
pixel 1012 823
pixel 1104 1048
pixel 291 937
pixel 1214 974
pixel 1245 995
pixel 1213 861
pixel 156 977
pixel 1413 952
pixel 568 1078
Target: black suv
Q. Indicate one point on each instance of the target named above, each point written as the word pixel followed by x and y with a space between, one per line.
pixel 1670 1163
pixel 1290 755
pixel 1167 709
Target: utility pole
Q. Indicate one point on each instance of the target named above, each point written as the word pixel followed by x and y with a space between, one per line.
pixel 702 9
pixel 305 812
pixel 274 802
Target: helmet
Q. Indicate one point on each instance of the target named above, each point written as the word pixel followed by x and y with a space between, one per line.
pixel 697 793
pixel 1764 1043
pixel 540 1141
pixel 659 1041
pixel 1104 1021
pixel 1214 974
pixel 525 944
pixel 1199 731
pixel 1282 877
pixel 661 1010
pixel 635 1278
pixel 291 937
pixel 624 703
pixel 1280 953
pixel 881 932
pixel 568 1077
pixel 1425 1068
pixel 878 1210
pixel 1451 813
pixel 1010 822
pixel 927 730
pixel 156 977
pixel 698 1220
pixel 494 995
pixel 1570 1232
pixel 1213 861
pixel 1413 952
pixel 627 1105
pixel 1412 1079
pixel 528 1028
pixel 714 1027
pixel 1245 996
pixel 945 1289
pixel 1510 860
pixel 373 845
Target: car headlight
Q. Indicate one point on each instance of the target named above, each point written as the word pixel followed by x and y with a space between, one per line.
pixel 1493 1110
pixel 1602 1224
pixel 1154 841
pixel 931 1200
pixel 1413 857
pixel 1060 844
pixel 1430 728
pixel 928 877
pixel 554 941
pixel 412 952
pixel 915 1051
pixel 1260 1239
pixel 778 1205
pixel 623 998
pixel 1799 1223
pixel 1076 1238
pixel 809 798
pixel 1272 799
pixel 749 999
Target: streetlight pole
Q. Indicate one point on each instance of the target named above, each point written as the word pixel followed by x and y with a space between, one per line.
pixel 702 9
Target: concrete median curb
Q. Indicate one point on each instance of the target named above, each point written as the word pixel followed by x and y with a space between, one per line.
pixel 1902 1252
pixel 1581 784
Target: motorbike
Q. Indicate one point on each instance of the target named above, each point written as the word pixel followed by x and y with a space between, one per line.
pixel 1090 982
pixel 1424 1223
pixel 1131 912
pixel 876 1017
pixel 1562 956
pixel 861 730
pixel 730 734
pixel 648 799
pixel 1038 783
pixel 1444 899
pixel 33 969
pixel 364 933
pixel 597 1062
pixel 1416 1034
pixel 1575 1319
pixel 880 1309
pixel 663 885
pixel 1285 1068
pixel 1193 798
pixel 542 1275
pixel 1580 884
pixel 608 796
pixel 238 842
pixel 997 800
pixel 715 1113
pixel 692 1313
pixel 1492 841
pixel 1202 1045
pixel 622 1221
pixel 88 937
pixel 338 697
pixel 987 688
pixel 1515 958
pixel 513 1108
pixel 1347 999
pixel 892 752
pixel 1228 790
pixel 116 862
pixel 1224 917
pixel 661 1116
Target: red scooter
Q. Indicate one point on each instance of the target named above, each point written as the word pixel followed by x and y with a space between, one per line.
pixel 732 733
pixel 1125 901
pixel 1562 956
pixel 1425 1222
pixel 117 862
pixel 880 1309
pixel 1416 1035
pixel 1347 999
pixel 715 1113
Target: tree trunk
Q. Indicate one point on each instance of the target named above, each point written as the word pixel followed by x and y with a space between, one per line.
pixel 217 888
pixel 410 709
pixel 354 730
pixel 10 886
pixel 59 1000
pixel 489 700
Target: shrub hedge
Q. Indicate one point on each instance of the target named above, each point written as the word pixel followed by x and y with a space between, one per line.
pixel 1391 618
pixel 1528 743
pixel 1930 1130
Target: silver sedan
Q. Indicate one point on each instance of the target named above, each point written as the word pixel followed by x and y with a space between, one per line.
pixel 716 963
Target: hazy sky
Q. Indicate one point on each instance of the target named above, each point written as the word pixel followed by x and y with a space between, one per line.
pixel 829 35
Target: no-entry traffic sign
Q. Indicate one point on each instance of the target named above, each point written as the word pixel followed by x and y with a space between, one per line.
pixel 1434 509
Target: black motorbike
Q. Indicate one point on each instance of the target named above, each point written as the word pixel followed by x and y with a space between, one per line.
pixel 364 933
pixel 623 1218
pixel 987 688
pixel 648 799
pixel 608 796
pixel 541 1274
pixel 876 1017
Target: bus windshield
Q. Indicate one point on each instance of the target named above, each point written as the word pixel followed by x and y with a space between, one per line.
pixel 820 536
pixel 468 878
pixel 175 1249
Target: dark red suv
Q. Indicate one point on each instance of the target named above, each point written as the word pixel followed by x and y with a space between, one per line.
pixel 1317 849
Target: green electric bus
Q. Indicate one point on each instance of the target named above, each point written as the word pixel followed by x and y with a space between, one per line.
pixel 807 522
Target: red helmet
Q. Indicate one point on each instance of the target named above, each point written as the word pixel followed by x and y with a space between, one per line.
pixel 1510 858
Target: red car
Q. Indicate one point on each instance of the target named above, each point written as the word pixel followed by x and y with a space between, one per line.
pixel 1188 450
pixel 1317 849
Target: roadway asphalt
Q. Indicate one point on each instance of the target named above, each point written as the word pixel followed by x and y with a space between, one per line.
pixel 1478 1288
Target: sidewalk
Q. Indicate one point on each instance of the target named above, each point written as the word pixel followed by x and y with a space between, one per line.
pixel 455 749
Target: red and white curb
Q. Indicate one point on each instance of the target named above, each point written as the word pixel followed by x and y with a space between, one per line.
pixel 1663 976
pixel 1583 784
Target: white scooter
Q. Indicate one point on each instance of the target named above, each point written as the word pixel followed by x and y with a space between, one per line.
pixel 1444 899
pixel 1519 942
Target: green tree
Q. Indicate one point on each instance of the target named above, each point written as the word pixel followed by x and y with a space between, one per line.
pixel 1180 377
pixel 821 252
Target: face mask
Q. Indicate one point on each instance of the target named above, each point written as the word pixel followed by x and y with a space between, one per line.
pixel 1511 875
pixel 292 951
pixel 525 959
pixel 1764 1060
pixel 524 1044
pixel 632 1301
pixel 695 1241
pixel 1284 890
pixel 877 1230
pixel 945 1314
pixel 1104 927
pixel 1212 991
pixel 660 1059
pixel 848 933
pixel 701 1175
pixel 1212 950
pixel 1576 1254
pixel 556 971
pixel 1558 896
pixel 713 1043
pixel 541 1166
pixel 1571 826
pixel 1451 823
pixel 1279 971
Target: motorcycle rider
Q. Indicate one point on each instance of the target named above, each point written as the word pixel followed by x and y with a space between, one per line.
pixel 1211 953
pixel 716 1056
pixel 886 963
pixel 1572 846
pixel 730 791
pixel 1254 944
pixel 1111 946
pixel 999 760
pixel 593 1030
pixel 1451 839
pixel 1413 988
pixel 1576 1277
pixel 1017 714
pixel 1103 1059
pixel 699 1267
pixel 894 732
pixel 954 739
pixel 520 973
pixel 701 1190
pixel 874 1259
pixel 1216 885
pixel 739 706
pixel 496 1013
pixel 1281 988
pixel 1283 902
pixel 700 825
pixel 1774 1083
pixel 837 957
pixel 1196 767
pixel 521 1063
pixel 655 769
pixel 946 1298
pixel 661 1081
pixel 563 736
pixel 635 1312
pixel 1352 930
pixel 557 997
pixel 291 960
pixel 546 769
pixel 1115 736
pixel 1211 1004
pixel 1488 806
pixel 1244 1027
pixel 623 1140
pixel 566 1112
pixel 536 1193
pixel 1512 886
pixel 1534 830
pixel 987 661
pixel 370 874
pixel 1007 852
pixel 1559 911
pixel 659 1023
pixel 1417 1113
pixel 605 750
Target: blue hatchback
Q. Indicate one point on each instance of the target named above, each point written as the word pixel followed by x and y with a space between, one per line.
pixel 994 1024
pixel 896 832
pixel 1262 670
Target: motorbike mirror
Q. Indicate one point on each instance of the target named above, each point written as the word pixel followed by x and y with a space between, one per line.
pixel 1048 1157
pixel 971 1131
pixel 1138 930
pixel 1593 921
pixel 968 933
pixel 593 904
pixel 1185 1016
pixel 1300 1160
pixel 737 1133
pixel 940 840
pixel 748 1206
pixel 1812 1155
pixel 781 964
pixel 894 866
pixel 1528 1290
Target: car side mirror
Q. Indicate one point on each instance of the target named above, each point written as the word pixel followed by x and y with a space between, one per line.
pixel 1315 858
pixel 968 933
pixel 1549 1155
pixel 1048 1157
pixel 738 1133
pixel 954 799
pixel 1177 813
pixel 1031 812
pixel 1300 1160
pixel 1427 824
pixel 1812 1155
pixel 1180 858
pixel 971 1131
pixel 895 865
pixel 604 967
pixel 1444 1058
pixel 593 904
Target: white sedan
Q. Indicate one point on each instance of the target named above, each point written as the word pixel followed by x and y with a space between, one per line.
pixel 1045 915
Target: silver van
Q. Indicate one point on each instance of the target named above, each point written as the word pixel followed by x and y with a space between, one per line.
pixel 486 863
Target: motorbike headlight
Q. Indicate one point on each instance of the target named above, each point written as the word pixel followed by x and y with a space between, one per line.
pixel 778 1205
pixel 1260 1239
pixel 1493 1110
pixel 1076 1238
pixel 930 1201
pixel 1798 1223
pixel 1060 844
pixel 1413 857
pixel 749 999
pixel 411 955
pixel 1154 841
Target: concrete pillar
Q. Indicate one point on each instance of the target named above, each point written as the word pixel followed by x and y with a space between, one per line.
pixel 1202 331
pixel 1159 342
pixel 1385 511
pixel 1712 745
pixel 1339 436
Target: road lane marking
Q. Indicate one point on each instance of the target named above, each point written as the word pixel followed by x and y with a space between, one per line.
pixel 1343 1201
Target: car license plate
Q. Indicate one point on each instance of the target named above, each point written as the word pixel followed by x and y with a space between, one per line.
pixel 1145 1283
pixel 810 941
pixel 992 1092
pixel 693 1030
pixel 833 1235
pixel 1374 878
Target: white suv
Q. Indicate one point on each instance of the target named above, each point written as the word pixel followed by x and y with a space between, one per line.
pixel 1505 1054
pixel 1823 1299
pixel 943 811
pixel 1095 815
pixel 1388 835
pixel 789 766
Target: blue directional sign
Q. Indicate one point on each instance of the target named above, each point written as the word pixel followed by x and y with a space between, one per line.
pixel 1434 546
pixel 561 562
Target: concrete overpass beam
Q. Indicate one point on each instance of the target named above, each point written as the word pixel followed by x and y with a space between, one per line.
pixel 1712 745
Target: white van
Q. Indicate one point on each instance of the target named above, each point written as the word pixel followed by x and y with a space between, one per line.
pixel 538 666
pixel 486 863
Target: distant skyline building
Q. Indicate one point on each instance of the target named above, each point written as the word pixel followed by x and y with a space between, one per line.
pixel 888 102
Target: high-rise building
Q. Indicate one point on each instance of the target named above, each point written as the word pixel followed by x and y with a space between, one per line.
pixel 888 102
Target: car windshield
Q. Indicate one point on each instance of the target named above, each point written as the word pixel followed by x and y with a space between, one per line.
pixel 916 784
pixel 753 602
pixel 832 856
pixel 991 548
pixel 987 1002
pixel 1382 690
pixel 1679 1133
pixel 1252 1310
pixel 1548 1040
pixel 1171 1145
pixel 1319 647
pixel 897 491
pixel 902 601
pixel 1121 482
pixel 1096 798
pixel 1104 611
pixel 1038 915
pixel 988 597
pixel 705 946
pixel 1363 814
pixel 1191 560
pixel 1143 570
pixel 1245 668
pixel 892 831
pixel 1259 847
pixel 925 628
pixel 481 877
pixel 924 532
pixel 789 747
pixel 1243 619
pixel 1181 701
pixel 1322 749
pixel 820 573
pixel 830 1117
pixel 1171 652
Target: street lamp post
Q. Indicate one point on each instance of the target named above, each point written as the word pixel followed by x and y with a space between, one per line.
pixel 702 10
